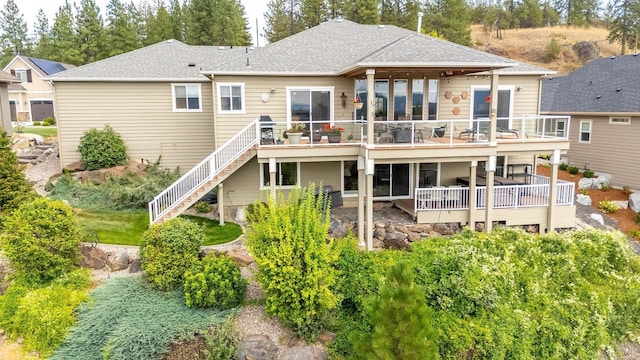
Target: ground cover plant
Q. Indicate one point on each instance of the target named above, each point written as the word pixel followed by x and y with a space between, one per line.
pixel 508 294
pixel 127 319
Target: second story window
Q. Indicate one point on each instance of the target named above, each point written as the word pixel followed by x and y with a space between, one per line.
pixel 22 74
pixel 186 97
pixel 230 98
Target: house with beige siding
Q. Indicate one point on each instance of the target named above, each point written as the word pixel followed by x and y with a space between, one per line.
pixel 602 99
pixel 32 99
pixel 5 114
pixel 445 132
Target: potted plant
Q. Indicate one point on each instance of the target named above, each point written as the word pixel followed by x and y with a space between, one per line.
pixel 279 141
pixel 294 134
pixel 334 133
pixel 357 103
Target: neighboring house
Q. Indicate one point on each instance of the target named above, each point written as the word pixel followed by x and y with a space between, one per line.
pixel 603 98
pixel 33 99
pixel 424 136
pixel 5 112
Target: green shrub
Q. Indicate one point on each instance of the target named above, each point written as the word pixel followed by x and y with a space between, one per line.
pixel 214 282
pixel 573 170
pixel 584 191
pixel 635 234
pixel 37 123
pixel 553 50
pixel 588 173
pixel 102 149
pixel 127 319
pixel 14 185
pixel 202 207
pixel 563 166
pixel 41 239
pixel 168 250
pixel 221 343
pixel 638 218
pixel 607 207
pixel 544 156
pixel 400 304
pixel 295 261
pixel 48 121
pixel 604 186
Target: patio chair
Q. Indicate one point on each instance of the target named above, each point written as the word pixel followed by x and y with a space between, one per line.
pixel 515 132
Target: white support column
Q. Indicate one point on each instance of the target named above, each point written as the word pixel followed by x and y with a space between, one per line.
pixel 371 103
pixel 493 108
pixel 221 203
pixel 553 190
pixel 370 166
pixel 473 212
pixel 490 177
pixel 273 182
pixel 362 188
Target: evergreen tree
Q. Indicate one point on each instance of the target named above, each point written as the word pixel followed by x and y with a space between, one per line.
pixel 63 37
pixel 158 25
pixel 283 18
pixel 361 11
pixel 625 26
pixel 450 19
pixel 177 17
pixel 14 185
pixel 577 12
pixel 402 322
pixel 529 14
pixel 42 37
pixel 121 32
pixel 314 12
pixel 403 13
pixel 91 32
pixel 14 32
pixel 217 22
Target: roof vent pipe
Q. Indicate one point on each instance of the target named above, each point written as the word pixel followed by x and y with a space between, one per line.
pixel 420 14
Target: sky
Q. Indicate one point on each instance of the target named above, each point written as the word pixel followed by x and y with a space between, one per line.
pixel 254 9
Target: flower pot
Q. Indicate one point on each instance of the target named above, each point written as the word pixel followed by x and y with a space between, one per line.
pixel 358 105
pixel 294 138
pixel 334 138
pixel 316 136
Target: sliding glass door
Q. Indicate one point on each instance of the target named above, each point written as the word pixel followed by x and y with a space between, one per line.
pixel 310 104
pixel 391 181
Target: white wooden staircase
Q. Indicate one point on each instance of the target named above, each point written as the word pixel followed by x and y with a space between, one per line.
pixel 203 177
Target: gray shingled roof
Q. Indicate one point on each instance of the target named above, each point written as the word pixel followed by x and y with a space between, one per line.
pixel 603 85
pixel 338 45
pixel 8 78
pixel 165 61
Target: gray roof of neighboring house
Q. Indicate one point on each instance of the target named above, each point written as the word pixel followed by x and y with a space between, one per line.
pixel 169 60
pixel 8 78
pixel 607 85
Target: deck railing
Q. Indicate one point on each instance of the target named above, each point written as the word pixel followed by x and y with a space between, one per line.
pixel 203 172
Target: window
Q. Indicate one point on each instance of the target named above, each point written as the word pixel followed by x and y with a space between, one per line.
pixel 417 98
pixel 433 99
pixel 350 177
pixel 620 120
pixel 22 75
pixel 585 131
pixel 186 97
pixel 230 98
pixel 400 99
pixel 309 105
pixel 287 174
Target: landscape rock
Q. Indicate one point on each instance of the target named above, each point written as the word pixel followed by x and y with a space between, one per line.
pixel 634 201
pixel 621 204
pixel 396 240
pixel 93 257
pixel 586 51
pixel 240 259
pixel 257 347
pixel 583 199
pixel 118 261
pixel 326 337
pixel 598 218
pixel 75 167
pixel 585 183
pixel 602 179
pixel 305 353
pixel 135 267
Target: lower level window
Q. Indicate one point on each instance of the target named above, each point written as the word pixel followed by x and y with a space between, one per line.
pixel 286 174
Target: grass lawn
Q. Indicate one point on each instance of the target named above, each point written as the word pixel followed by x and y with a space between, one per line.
pixel 46 131
pixel 126 227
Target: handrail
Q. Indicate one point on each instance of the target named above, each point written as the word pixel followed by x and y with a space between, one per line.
pixel 204 171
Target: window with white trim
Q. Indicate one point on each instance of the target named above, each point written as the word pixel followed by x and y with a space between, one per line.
pixel 22 75
pixel 585 131
pixel 230 98
pixel 287 174
pixel 186 97
pixel 620 120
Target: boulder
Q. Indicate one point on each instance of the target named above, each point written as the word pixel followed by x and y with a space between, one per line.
pixel 583 199
pixel 75 167
pixel 257 347
pixel 93 257
pixel 586 51
pixel 585 183
pixel 326 337
pixel 602 179
pixel 396 241
pixel 240 259
pixel 119 261
pixel 598 218
pixel 135 267
pixel 446 229
pixel 308 352
pixel 621 204
pixel 379 233
pixel 634 201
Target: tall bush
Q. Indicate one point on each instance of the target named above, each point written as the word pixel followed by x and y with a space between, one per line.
pixel 295 260
pixel 14 186
pixel 102 149
pixel 168 250
pixel 402 321
pixel 41 239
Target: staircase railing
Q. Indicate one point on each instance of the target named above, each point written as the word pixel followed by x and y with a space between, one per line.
pixel 203 172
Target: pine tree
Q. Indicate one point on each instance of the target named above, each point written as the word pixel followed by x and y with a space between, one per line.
pixel 177 17
pixel 403 13
pixel 450 19
pixel 283 18
pixel 14 32
pixel 42 37
pixel 63 37
pixel 91 32
pixel 158 25
pixel 402 322
pixel 314 12
pixel 121 32
pixel 361 11
pixel 14 185
pixel 625 26
pixel 217 22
